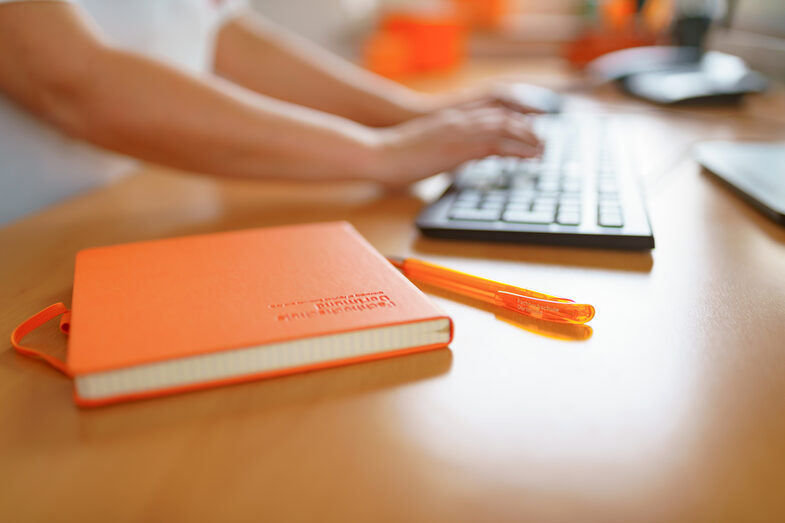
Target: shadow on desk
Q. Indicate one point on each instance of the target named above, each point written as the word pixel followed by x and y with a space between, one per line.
pixel 565 256
pixel 287 397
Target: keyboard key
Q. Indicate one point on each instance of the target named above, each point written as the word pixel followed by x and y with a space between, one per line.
pixel 464 204
pixel 495 206
pixel 571 196
pixel 509 163
pixel 608 196
pixel 521 183
pixel 546 194
pixel 519 206
pixel 548 185
pixel 569 209
pixel 610 207
pixel 609 199
pixel 611 220
pixel 522 194
pixel 475 215
pixel 469 194
pixel 546 198
pixel 528 217
pixel 549 208
pixel 570 199
pixel 608 187
pixel 574 171
pixel 482 168
pixel 495 197
pixel 568 218
pixel 523 170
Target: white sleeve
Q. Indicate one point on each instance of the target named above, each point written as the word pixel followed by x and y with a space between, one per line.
pixel 228 9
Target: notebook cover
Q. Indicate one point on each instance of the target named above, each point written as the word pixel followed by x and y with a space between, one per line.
pixel 166 299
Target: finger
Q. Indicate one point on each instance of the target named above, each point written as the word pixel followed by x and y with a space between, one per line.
pixel 500 102
pixel 519 107
pixel 519 128
pixel 516 148
pixel 506 124
pixel 514 98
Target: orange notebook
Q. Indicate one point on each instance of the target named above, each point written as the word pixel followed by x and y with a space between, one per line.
pixel 166 316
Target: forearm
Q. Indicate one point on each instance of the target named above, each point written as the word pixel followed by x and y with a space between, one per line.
pixel 272 61
pixel 145 109
pixel 152 111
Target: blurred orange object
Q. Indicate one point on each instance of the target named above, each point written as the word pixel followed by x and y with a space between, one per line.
pixel 437 40
pixel 387 54
pixel 410 42
pixel 593 44
pixel 619 25
pixel 619 14
pixel 658 15
pixel 486 14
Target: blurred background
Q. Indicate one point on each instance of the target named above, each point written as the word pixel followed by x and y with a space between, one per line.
pixel 344 26
pixel 399 38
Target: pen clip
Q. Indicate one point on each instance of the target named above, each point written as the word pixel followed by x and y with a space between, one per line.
pixel 551 310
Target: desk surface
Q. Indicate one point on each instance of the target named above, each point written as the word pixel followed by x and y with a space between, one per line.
pixel 668 408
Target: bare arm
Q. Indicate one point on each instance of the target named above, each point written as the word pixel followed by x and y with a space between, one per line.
pixel 147 109
pixel 264 57
pixel 136 106
pixel 249 49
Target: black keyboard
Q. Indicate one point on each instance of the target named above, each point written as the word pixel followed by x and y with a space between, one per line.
pixel 582 192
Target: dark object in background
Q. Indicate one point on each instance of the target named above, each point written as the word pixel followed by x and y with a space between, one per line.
pixel 691 31
pixel 679 75
pixel 683 73
pixel 755 171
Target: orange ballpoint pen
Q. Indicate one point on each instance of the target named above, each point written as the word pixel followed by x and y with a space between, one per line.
pixel 523 301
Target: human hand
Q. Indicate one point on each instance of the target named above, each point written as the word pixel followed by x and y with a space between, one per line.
pixel 521 98
pixel 443 140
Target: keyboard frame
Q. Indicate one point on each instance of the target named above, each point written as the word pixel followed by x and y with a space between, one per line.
pixel 635 234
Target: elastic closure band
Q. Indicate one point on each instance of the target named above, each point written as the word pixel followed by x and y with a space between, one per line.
pixel 35 321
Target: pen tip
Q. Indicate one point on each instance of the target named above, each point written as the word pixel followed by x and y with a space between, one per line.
pixel 395 260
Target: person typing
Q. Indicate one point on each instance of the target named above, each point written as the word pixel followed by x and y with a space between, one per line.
pixel 210 87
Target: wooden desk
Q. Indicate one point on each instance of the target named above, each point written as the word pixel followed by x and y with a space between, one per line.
pixel 668 408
